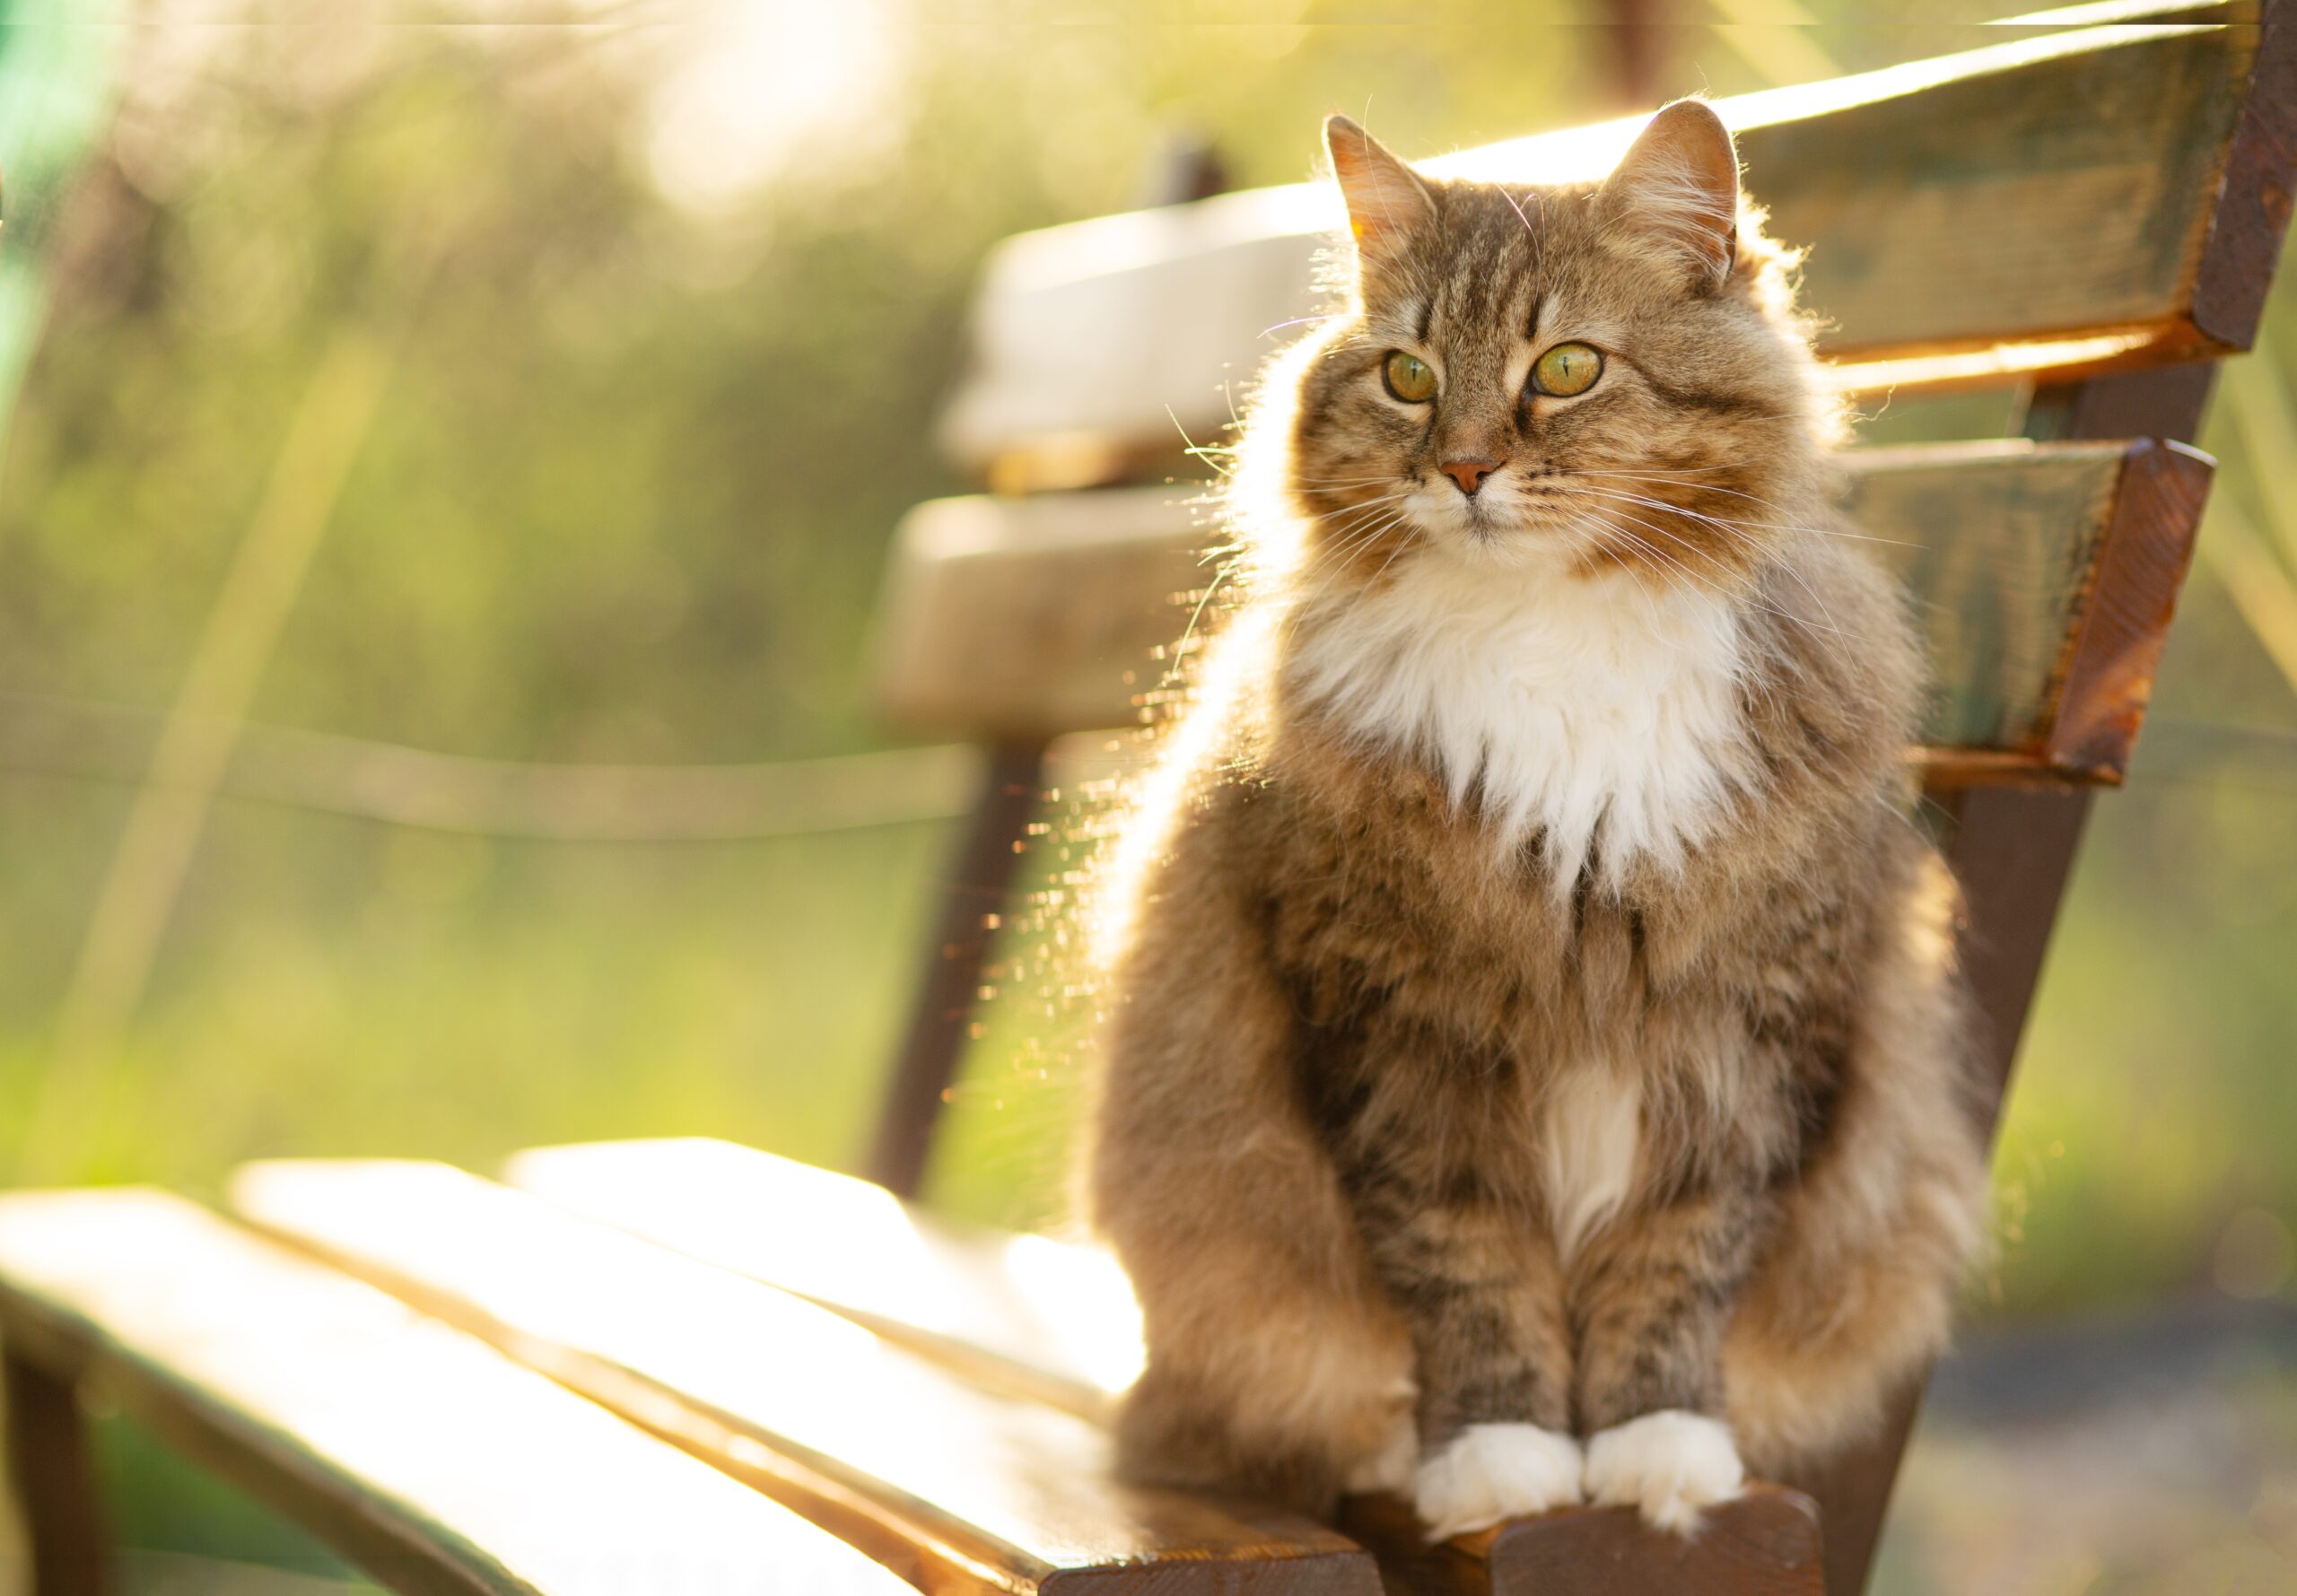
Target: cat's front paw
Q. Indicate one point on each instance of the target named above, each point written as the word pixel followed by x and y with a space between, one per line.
pixel 1670 1464
pixel 1490 1472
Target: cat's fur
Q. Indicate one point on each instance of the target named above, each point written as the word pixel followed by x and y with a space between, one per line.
pixel 1536 1068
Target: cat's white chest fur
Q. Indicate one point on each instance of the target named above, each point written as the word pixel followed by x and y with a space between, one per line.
pixel 1602 712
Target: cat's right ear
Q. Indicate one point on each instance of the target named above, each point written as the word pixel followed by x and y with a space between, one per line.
pixel 1386 201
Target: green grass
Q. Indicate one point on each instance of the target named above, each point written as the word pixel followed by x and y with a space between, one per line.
pixel 331 987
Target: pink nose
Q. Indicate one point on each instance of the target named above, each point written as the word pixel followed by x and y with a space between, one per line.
pixel 1470 473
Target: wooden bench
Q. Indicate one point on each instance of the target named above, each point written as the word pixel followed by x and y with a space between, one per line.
pixel 958 1487
pixel 435 1463
pixel 797 1366
pixel 2084 217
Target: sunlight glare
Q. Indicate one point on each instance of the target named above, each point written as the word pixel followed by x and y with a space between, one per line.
pixel 1081 1295
pixel 767 88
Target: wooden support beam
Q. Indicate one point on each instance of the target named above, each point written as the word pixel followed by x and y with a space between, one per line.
pixel 52 1476
pixel 2012 849
pixel 973 892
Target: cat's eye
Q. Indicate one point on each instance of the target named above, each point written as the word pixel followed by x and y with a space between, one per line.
pixel 1568 369
pixel 1408 377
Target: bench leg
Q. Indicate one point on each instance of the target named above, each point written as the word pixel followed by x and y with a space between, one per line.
pixel 980 876
pixel 51 1472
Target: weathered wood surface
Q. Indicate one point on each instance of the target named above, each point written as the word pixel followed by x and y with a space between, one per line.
pixel 962 1489
pixel 1075 1321
pixel 2067 202
pixel 2046 577
pixel 1766 1543
pixel 1031 616
pixel 2045 574
pixel 441 1466
pixel 2250 217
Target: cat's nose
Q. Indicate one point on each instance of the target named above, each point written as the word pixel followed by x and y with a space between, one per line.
pixel 1470 473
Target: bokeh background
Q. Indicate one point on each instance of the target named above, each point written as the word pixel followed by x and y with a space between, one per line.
pixel 418 415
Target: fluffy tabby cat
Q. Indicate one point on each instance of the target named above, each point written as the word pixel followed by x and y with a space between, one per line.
pixel 1535 1070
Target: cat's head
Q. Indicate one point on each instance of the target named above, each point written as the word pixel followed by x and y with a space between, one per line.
pixel 1554 380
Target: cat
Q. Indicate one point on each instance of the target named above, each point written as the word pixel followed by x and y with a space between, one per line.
pixel 1534 1069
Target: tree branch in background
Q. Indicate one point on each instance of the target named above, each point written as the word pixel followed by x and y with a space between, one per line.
pixel 170 810
pixel 2261 588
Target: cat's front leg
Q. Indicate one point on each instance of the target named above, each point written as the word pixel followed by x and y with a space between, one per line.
pixel 1650 1294
pixel 1492 1355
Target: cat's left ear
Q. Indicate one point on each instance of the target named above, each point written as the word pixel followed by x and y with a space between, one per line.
pixel 1677 193
pixel 1386 201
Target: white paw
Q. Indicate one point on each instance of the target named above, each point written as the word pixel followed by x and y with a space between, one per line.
pixel 1490 1472
pixel 1670 1464
pixel 1389 1469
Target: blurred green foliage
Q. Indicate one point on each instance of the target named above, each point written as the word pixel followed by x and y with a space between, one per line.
pixel 626 499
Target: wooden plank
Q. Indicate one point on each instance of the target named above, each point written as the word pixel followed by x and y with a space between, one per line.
pixel 2066 202
pixel 2243 243
pixel 970 1489
pixel 1044 1319
pixel 429 1459
pixel 1067 1312
pixel 1022 618
pixel 1764 1543
pixel 2106 678
pixel 2046 572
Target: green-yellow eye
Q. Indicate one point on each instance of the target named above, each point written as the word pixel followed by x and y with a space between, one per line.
pixel 1568 369
pixel 1408 378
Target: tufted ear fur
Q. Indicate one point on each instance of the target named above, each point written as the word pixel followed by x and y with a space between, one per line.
pixel 1386 200
pixel 1676 194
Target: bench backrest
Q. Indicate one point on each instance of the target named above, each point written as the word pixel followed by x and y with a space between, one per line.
pixel 2071 202
pixel 2087 214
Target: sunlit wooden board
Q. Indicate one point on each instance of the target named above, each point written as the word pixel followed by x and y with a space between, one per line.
pixel 897 1268
pixel 1048 1319
pixel 422 1455
pixel 2067 201
pixel 966 1488
pixel 2045 574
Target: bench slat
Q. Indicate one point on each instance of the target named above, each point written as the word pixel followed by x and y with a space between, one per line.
pixel 710 1200
pixel 1764 1543
pixel 2046 572
pixel 2066 202
pixel 424 1456
pixel 979 1491
pixel 1024 1313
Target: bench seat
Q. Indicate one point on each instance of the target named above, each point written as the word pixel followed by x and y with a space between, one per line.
pixel 963 1488
pixel 1063 1313
pixel 878 1262
pixel 427 1458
